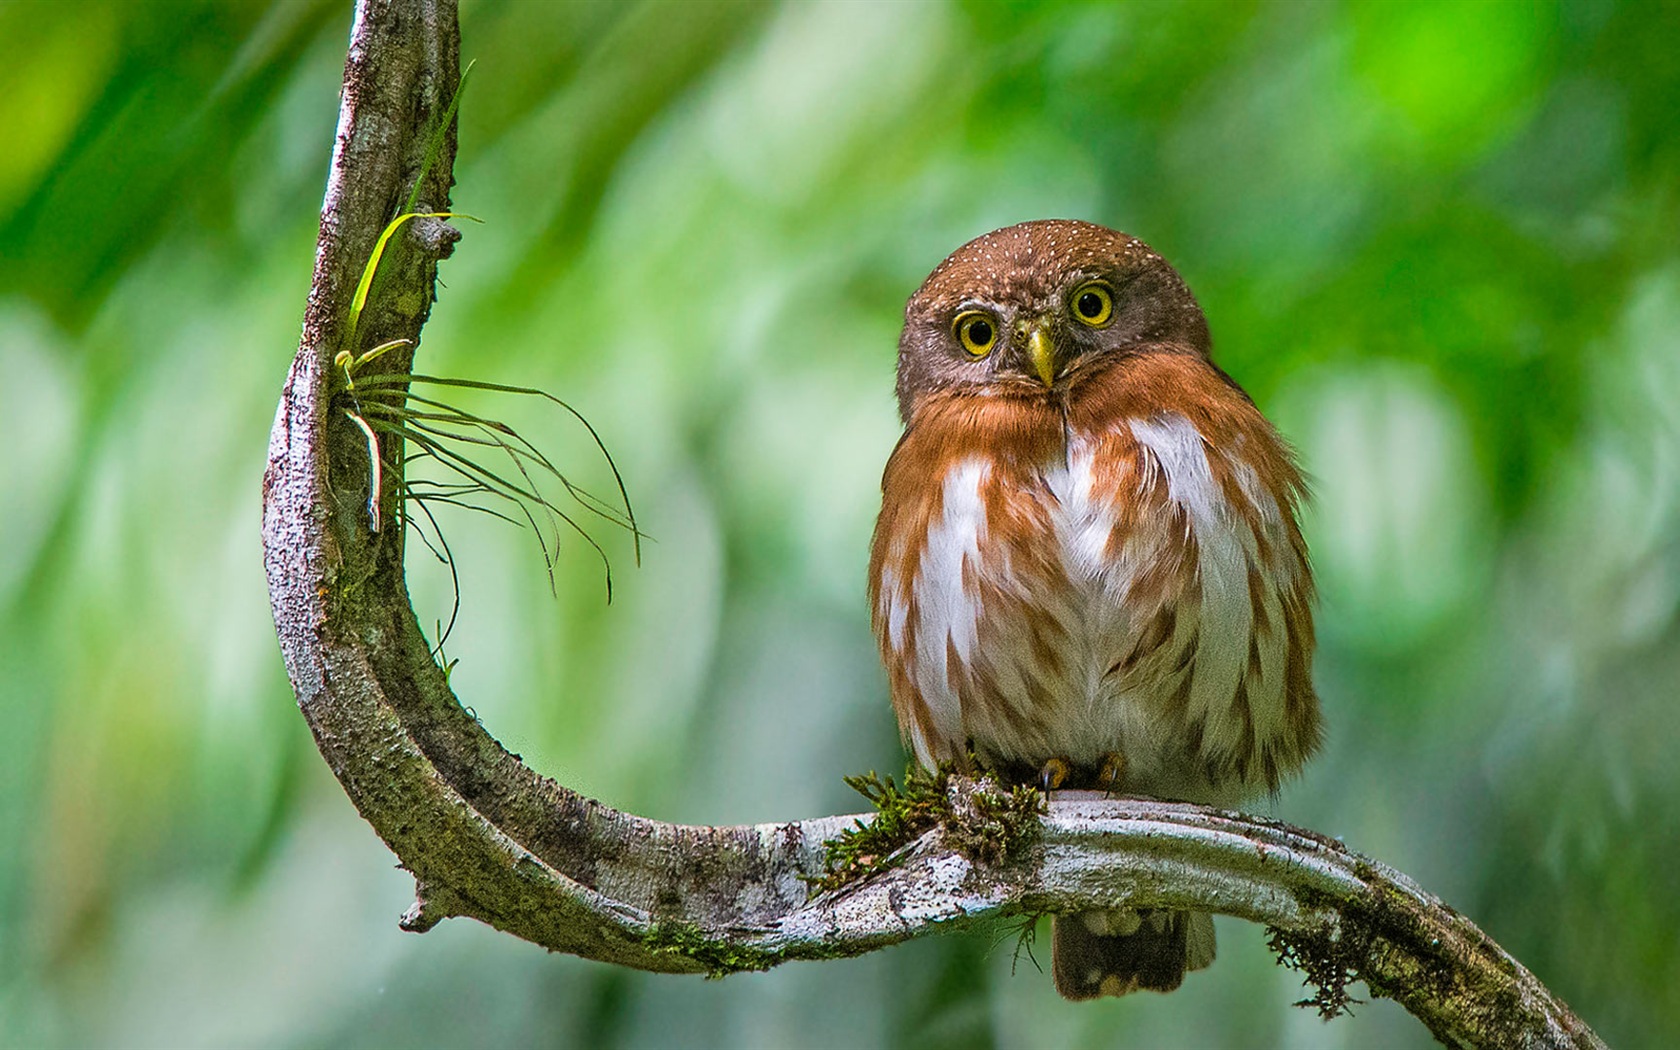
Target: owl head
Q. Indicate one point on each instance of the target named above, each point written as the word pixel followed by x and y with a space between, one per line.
pixel 1029 309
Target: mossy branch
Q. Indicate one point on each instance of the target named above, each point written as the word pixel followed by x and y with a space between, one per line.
pixel 989 821
pixel 488 838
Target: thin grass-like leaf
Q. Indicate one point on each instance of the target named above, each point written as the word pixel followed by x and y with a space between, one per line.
pixel 359 300
pixel 448 558
pixel 591 502
pixel 435 143
pixel 427 541
pixel 533 494
pixel 401 379
pixel 500 486
pixel 451 501
pixel 458 417
pixel 385 403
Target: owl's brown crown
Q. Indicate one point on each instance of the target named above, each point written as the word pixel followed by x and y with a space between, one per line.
pixel 1030 260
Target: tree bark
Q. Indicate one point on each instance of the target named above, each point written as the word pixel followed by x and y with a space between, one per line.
pixel 487 838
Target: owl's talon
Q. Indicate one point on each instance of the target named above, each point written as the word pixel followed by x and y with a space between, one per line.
pixel 1053 773
pixel 1112 769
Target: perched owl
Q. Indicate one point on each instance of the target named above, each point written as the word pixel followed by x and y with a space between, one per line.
pixel 1087 569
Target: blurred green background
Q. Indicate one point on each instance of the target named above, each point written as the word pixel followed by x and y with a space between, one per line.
pixel 1439 243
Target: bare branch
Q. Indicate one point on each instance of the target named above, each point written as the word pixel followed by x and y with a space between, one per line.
pixel 488 838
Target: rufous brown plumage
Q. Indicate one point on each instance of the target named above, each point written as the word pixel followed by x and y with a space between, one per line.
pixel 1088 570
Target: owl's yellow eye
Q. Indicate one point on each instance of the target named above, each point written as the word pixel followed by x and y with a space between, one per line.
pixel 1092 304
pixel 977 332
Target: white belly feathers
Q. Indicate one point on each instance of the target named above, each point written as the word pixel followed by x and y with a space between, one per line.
pixel 972 585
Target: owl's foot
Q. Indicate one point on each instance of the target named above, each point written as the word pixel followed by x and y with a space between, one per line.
pixel 1054 773
pixel 1109 773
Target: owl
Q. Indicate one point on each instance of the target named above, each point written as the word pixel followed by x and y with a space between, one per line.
pixel 1088 570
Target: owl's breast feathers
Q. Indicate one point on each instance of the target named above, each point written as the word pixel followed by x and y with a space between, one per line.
pixel 1121 571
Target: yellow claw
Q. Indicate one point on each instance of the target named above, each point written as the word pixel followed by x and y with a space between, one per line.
pixel 1113 769
pixel 1053 773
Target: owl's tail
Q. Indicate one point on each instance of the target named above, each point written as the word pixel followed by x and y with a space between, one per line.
pixel 1098 953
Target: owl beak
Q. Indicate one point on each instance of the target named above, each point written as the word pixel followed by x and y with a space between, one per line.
pixel 1042 352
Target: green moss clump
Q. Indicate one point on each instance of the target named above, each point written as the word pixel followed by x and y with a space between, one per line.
pixel 996 823
pixel 719 957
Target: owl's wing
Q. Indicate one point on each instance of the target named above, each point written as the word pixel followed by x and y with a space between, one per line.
pixel 1207 564
pixel 952 497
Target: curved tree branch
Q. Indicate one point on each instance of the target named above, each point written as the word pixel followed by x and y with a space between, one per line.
pixel 489 839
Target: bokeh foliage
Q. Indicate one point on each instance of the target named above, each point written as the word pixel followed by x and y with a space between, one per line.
pixel 1439 242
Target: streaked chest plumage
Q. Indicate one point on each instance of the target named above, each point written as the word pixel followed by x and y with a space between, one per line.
pixel 1077 582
